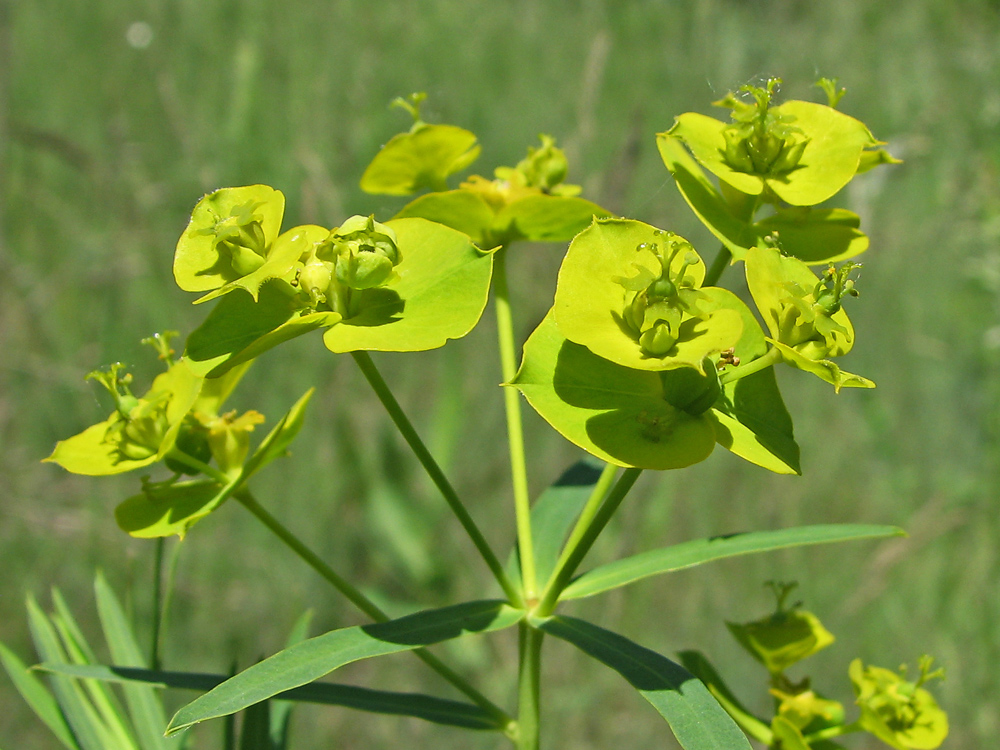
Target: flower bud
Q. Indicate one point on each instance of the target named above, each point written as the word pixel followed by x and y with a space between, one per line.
pixel 314 280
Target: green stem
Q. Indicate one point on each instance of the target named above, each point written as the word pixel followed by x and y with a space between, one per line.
pixel 719 265
pixel 363 603
pixel 586 517
pixel 515 432
pixel 437 476
pixel 761 363
pixel 352 594
pixel 572 559
pixel 359 600
pixel 154 646
pixel 529 686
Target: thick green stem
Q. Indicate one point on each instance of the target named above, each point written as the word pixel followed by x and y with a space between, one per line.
pixel 719 265
pixel 586 517
pixel 515 432
pixel 573 557
pixel 437 476
pixel 761 363
pixel 528 686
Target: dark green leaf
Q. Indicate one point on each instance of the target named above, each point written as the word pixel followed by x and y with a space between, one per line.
pixel 696 663
pixel 311 659
pixel 429 708
pixel 696 718
pixel 689 554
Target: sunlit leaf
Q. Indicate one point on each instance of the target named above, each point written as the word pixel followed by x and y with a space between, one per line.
pixel 697 552
pixel 615 413
pixel 440 294
pixel 421 158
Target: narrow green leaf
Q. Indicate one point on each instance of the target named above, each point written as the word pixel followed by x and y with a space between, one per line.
pixel 278 439
pixel 553 514
pixel 696 663
pixel 104 701
pixel 429 708
pixel 311 659
pixel 145 710
pixel 38 697
pixel 696 718
pixel 688 554
pixel 83 720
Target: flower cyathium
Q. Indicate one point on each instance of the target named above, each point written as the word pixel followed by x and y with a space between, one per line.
pixel 761 140
pixel 140 431
pixel 631 293
pixel 803 313
pixel 229 236
pixel 800 153
pixel 901 713
pixel 783 638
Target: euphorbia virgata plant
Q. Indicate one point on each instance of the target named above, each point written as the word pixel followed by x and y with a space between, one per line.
pixel 644 361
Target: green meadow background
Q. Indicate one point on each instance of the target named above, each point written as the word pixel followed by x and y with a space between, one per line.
pixel 111 131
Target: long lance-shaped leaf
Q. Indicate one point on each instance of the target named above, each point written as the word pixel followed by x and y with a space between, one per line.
pixel 87 727
pixel 37 696
pixel 696 718
pixel 145 710
pixel 689 554
pixel 103 700
pixel 426 707
pixel 313 658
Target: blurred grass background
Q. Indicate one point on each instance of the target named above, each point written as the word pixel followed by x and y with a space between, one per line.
pixel 118 115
